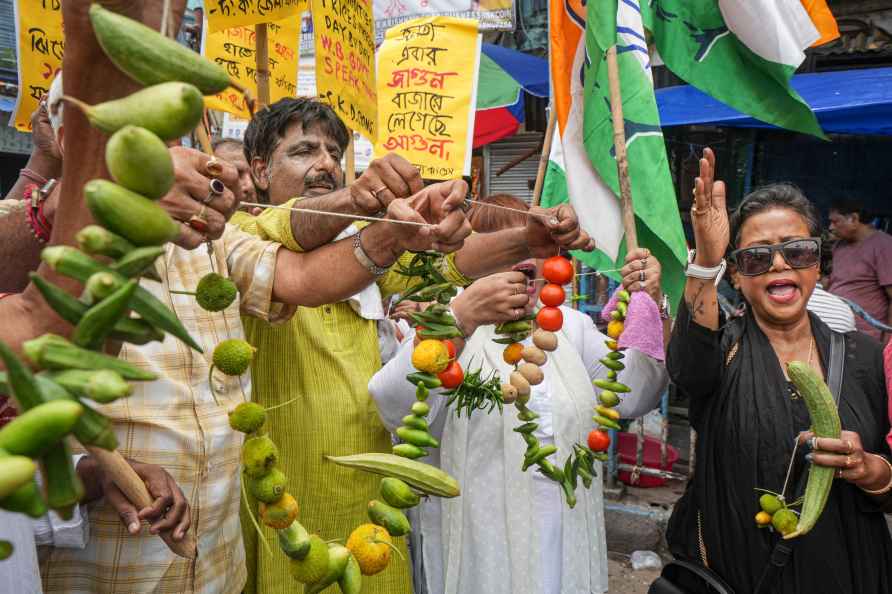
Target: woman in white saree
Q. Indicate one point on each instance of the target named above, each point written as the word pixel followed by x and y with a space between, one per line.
pixel 510 532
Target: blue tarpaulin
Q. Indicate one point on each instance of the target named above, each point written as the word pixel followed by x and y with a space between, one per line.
pixel 846 102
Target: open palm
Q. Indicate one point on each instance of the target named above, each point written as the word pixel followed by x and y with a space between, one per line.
pixel 709 215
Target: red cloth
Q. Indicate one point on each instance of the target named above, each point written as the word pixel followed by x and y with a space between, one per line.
pixel 7 411
pixel 861 271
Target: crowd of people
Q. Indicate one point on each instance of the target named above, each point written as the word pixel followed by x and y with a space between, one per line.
pixel 314 294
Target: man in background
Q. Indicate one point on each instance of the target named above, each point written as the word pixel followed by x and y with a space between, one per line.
pixel 862 265
pixel 233 152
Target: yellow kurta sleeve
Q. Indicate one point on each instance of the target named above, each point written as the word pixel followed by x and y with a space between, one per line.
pixel 273 224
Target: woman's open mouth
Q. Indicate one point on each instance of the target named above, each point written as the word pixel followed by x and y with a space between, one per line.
pixel 782 291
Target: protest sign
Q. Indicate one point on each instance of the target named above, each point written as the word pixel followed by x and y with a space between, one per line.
pixel 428 72
pixel 345 55
pixel 234 49
pixel 40 44
pixel 491 15
pixel 225 14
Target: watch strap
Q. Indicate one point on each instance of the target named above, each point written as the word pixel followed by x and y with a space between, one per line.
pixel 363 258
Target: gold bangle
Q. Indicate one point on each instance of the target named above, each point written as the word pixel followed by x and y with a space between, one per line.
pixel 888 486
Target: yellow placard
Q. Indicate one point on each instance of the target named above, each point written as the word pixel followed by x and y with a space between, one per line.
pixel 225 14
pixel 345 61
pixel 427 70
pixel 234 49
pixel 41 42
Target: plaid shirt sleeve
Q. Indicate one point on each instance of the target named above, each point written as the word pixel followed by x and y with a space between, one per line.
pixel 252 267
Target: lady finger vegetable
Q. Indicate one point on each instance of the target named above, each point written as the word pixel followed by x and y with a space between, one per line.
pixel 54 352
pixel 424 477
pixel 97 240
pixel 102 385
pixel 15 471
pixel 825 423
pixel 63 485
pixel 99 320
pixel 27 500
pixel 37 430
pixel 138 261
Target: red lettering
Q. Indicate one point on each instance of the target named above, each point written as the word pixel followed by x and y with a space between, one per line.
pixel 328 65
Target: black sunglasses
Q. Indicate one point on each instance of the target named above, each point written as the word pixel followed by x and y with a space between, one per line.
pixel 757 259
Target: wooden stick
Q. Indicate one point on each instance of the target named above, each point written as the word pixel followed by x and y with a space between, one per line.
pixel 619 144
pixel 125 478
pixel 543 158
pixel 262 59
pixel 350 160
pixel 201 133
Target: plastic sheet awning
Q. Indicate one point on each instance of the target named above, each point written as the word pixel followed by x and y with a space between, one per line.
pixel 846 102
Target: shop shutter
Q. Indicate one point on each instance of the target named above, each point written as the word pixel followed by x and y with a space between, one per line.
pixel 518 179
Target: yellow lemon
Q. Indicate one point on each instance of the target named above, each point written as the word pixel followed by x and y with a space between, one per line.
pixel 614 329
pixel 430 356
pixel 280 514
pixel 370 545
pixel 763 518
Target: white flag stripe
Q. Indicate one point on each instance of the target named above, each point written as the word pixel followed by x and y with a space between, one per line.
pixel 775 30
pixel 630 31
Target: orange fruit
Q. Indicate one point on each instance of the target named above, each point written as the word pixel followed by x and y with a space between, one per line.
pixel 763 518
pixel 370 545
pixel 280 514
pixel 513 353
pixel 430 356
pixel 614 329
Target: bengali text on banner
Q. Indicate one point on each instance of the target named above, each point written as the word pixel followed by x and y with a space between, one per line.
pixel 234 49
pixel 40 43
pixel 225 14
pixel 345 61
pixel 427 70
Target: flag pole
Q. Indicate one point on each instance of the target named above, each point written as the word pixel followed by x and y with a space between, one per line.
pixel 619 144
pixel 543 158
pixel 261 55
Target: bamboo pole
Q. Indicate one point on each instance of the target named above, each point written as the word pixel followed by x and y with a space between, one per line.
pixel 619 144
pixel 543 158
pixel 261 55
pixel 125 478
pixel 350 160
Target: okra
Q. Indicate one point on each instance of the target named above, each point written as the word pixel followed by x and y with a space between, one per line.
pixel 514 327
pixel 102 385
pixel 569 491
pixel 428 379
pixel 526 427
pixel 138 262
pixel 63 486
pixel 55 353
pixel 421 394
pixel 38 429
pixel 540 455
pixel 15 471
pixel 99 320
pixel 19 378
pixel 97 240
pixel 527 415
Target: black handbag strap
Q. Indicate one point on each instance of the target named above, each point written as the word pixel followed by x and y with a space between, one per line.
pixel 783 549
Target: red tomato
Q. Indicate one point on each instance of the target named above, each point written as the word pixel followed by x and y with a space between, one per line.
pixel 452 376
pixel 450 348
pixel 558 270
pixel 550 318
pixel 552 294
pixel 598 441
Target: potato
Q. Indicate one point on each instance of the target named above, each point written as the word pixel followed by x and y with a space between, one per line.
pixel 535 355
pixel 509 393
pixel 520 382
pixel 545 340
pixel 532 373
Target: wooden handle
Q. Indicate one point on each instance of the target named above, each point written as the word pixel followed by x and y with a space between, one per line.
pixel 619 144
pixel 125 478
pixel 261 56
pixel 543 158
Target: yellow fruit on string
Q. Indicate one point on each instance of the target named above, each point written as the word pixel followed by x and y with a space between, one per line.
pixel 513 353
pixel 430 356
pixel 763 518
pixel 614 329
pixel 281 514
pixel 370 545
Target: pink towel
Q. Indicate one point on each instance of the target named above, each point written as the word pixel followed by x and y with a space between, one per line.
pixel 643 328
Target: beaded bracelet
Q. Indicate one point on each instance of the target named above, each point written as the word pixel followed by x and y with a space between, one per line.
pixel 888 486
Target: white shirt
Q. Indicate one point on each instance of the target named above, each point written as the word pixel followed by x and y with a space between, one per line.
pixel 832 310
pixel 510 532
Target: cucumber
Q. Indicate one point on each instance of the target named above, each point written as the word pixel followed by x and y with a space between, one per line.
pixel 415 422
pixel 55 353
pixel 97 240
pixel 15 471
pixel 612 364
pixel 76 264
pixel 128 214
pixel 418 438
pixel 398 494
pixel 170 110
pixel 612 386
pixel 825 423
pixel 407 450
pixel 389 518
pixel 151 58
pixel 338 556
pixel 37 430
pixel 294 540
pixel 138 160
pixel 99 320
pixel 63 486
pixel 138 262
pixel 423 477
pixel 605 422
pixel 102 385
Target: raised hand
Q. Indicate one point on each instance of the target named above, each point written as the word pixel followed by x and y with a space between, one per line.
pixel 439 205
pixel 709 215
pixel 552 229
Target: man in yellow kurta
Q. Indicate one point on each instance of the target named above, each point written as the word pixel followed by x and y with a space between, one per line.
pixel 322 359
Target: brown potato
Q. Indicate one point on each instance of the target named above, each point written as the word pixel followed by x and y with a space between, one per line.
pixel 545 340
pixel 520 382
pixel 534 355
pixel 509 393
pixel 532 373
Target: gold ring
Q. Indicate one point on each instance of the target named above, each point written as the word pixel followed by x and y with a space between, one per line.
pixel 849 447
pixel 198 222
pixel 213 167
pixel 848 462
pixel 375 192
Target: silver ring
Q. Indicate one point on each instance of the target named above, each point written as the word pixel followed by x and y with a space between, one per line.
pixel 215 188
pixel 518 312
pixel 813 443
pixel 641 276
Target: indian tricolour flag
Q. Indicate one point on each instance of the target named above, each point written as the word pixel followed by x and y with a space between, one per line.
pixel 741 53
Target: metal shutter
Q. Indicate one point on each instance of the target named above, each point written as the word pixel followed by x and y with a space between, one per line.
pixel 518 179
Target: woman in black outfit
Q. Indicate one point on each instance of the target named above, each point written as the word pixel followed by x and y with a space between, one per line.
pixel 748 416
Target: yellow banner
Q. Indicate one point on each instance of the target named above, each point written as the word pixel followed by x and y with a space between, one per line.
pixel 345 61
pixel 41 42
pixel 428 73
pixel 225 14
pixel 234 49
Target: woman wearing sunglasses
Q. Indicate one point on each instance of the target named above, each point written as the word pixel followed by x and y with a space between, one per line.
pixel 749 417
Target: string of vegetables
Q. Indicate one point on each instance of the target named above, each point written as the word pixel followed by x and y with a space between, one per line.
pixel 527 361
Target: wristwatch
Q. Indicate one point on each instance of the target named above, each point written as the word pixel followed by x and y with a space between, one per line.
pixel 363 258
pixel 703 272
